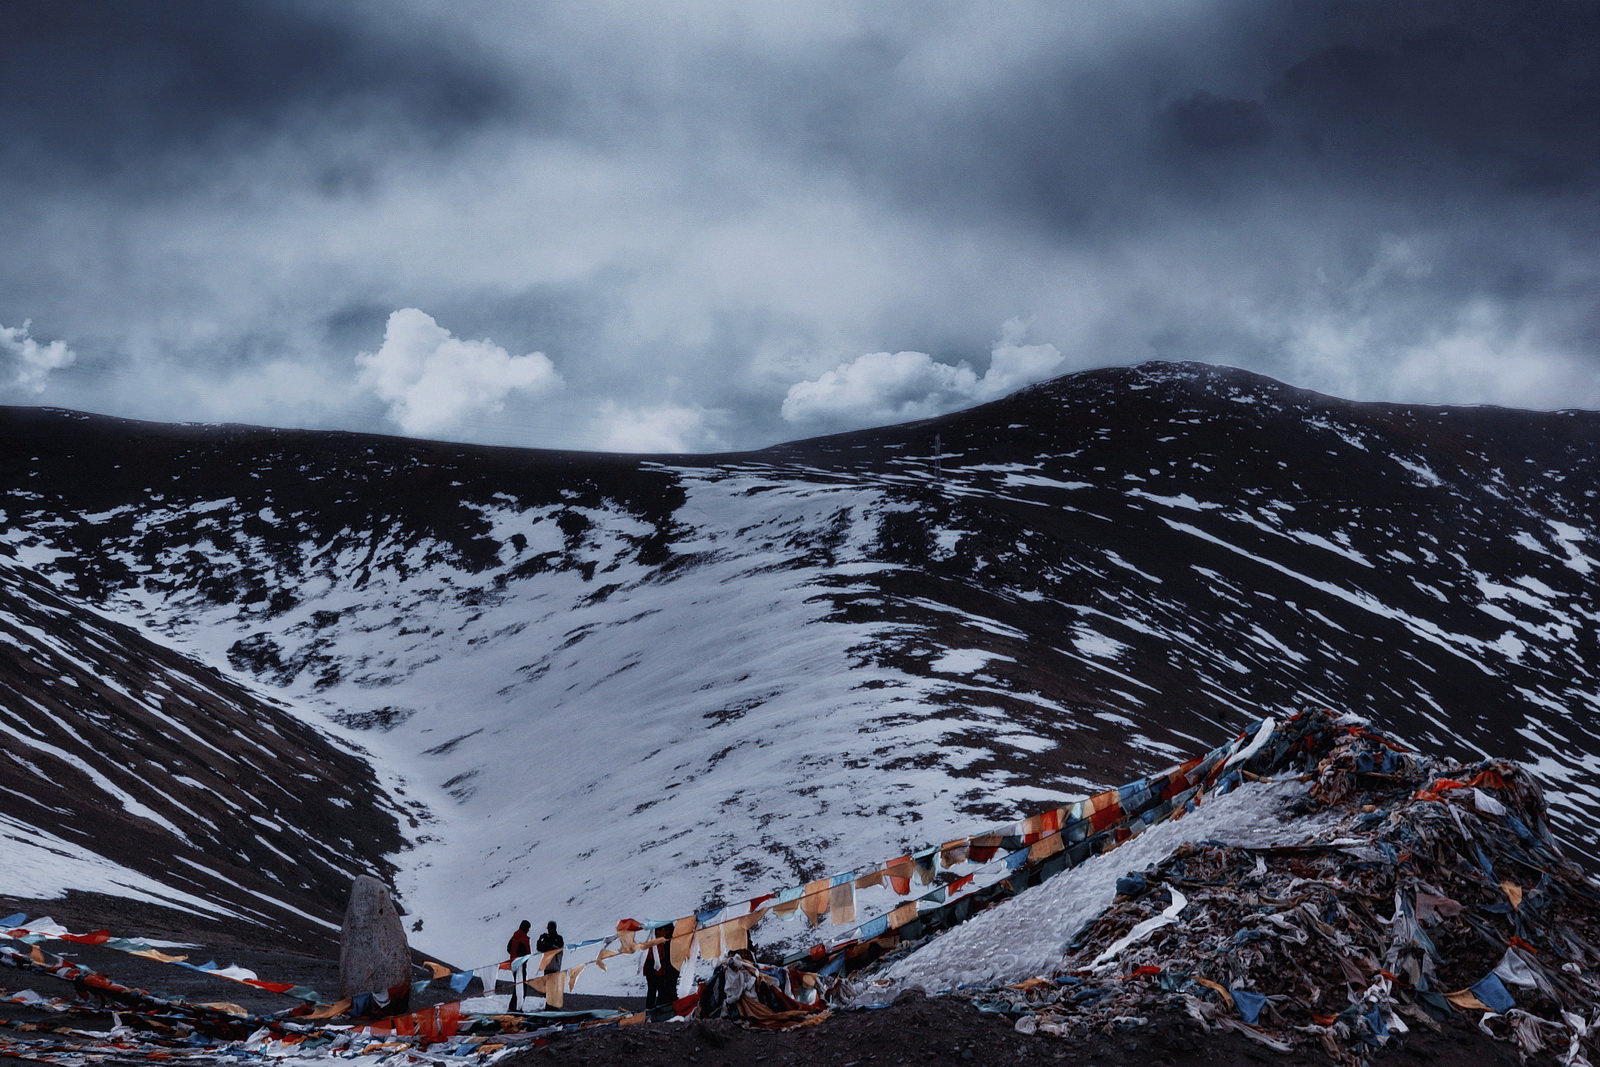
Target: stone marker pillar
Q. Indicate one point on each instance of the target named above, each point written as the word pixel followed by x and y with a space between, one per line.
pixel 373 953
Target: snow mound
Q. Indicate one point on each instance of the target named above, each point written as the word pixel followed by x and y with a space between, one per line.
pixel 1028 934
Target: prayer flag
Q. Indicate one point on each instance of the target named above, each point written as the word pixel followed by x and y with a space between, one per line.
pixel 983 848
pixel 1045 846
pixel 682 940
pixel 815 902
pixel 900 870
pixel 874 928
pixel 710 938
pixel 842 903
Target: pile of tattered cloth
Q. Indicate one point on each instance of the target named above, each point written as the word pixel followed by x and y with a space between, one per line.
pixel 760 995
pixel 1438 894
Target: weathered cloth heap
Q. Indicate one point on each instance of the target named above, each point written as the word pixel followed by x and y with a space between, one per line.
pixel 1439 895
pixel 766 997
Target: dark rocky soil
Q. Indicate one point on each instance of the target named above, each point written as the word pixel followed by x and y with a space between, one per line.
pixel 938 1031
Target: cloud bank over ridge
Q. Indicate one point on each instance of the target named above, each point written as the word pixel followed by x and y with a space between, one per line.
pixel 743 220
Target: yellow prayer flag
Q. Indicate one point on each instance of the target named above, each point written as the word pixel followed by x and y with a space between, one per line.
pixel 682 940
pixel 1464 999
pixel 710 938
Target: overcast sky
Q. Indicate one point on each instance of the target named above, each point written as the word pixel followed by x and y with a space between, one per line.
pixel 696 224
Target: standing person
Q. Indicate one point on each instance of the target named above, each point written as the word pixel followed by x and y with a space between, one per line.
pixel 660 976
pixel 518 947
pixel 550 941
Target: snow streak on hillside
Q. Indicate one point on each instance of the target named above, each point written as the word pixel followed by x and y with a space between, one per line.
pixel 629 687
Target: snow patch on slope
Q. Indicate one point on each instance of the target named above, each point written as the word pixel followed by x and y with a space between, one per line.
pixel 1028 934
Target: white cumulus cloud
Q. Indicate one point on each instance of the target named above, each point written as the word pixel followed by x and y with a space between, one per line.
pixel 664 428
pixel 31 361
pixel 433 380
pixel 892 386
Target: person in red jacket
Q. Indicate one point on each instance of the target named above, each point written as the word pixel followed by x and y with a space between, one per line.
pixel 518 947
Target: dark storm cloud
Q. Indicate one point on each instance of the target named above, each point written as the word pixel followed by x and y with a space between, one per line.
pixel 692 208
pixel 104 85
pixel 1486 98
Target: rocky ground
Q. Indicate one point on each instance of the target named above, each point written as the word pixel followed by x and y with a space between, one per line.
pixel 919 1030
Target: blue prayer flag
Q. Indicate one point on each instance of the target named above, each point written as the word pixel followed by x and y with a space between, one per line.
pixel 1493 992
pixel 11 922
pixel 1249 1004
pixel 874 928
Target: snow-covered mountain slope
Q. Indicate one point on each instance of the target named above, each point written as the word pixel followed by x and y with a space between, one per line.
pixel 131 772
pixel 632 686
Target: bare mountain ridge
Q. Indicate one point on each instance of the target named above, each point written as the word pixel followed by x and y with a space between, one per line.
pixel 612 679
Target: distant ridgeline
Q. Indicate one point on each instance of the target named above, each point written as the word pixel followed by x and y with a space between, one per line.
pixel 290 656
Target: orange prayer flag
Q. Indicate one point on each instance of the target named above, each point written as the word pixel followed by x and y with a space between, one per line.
pixel 328 1011
pixel 449 1019
pixel 1045 846
pixel 436 970
pixel 900 871
pixel 814 904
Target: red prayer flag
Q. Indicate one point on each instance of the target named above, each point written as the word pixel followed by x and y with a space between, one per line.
pixel 99 937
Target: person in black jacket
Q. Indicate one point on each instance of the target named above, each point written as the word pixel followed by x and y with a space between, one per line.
pixel 660 976
pixel 550 941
